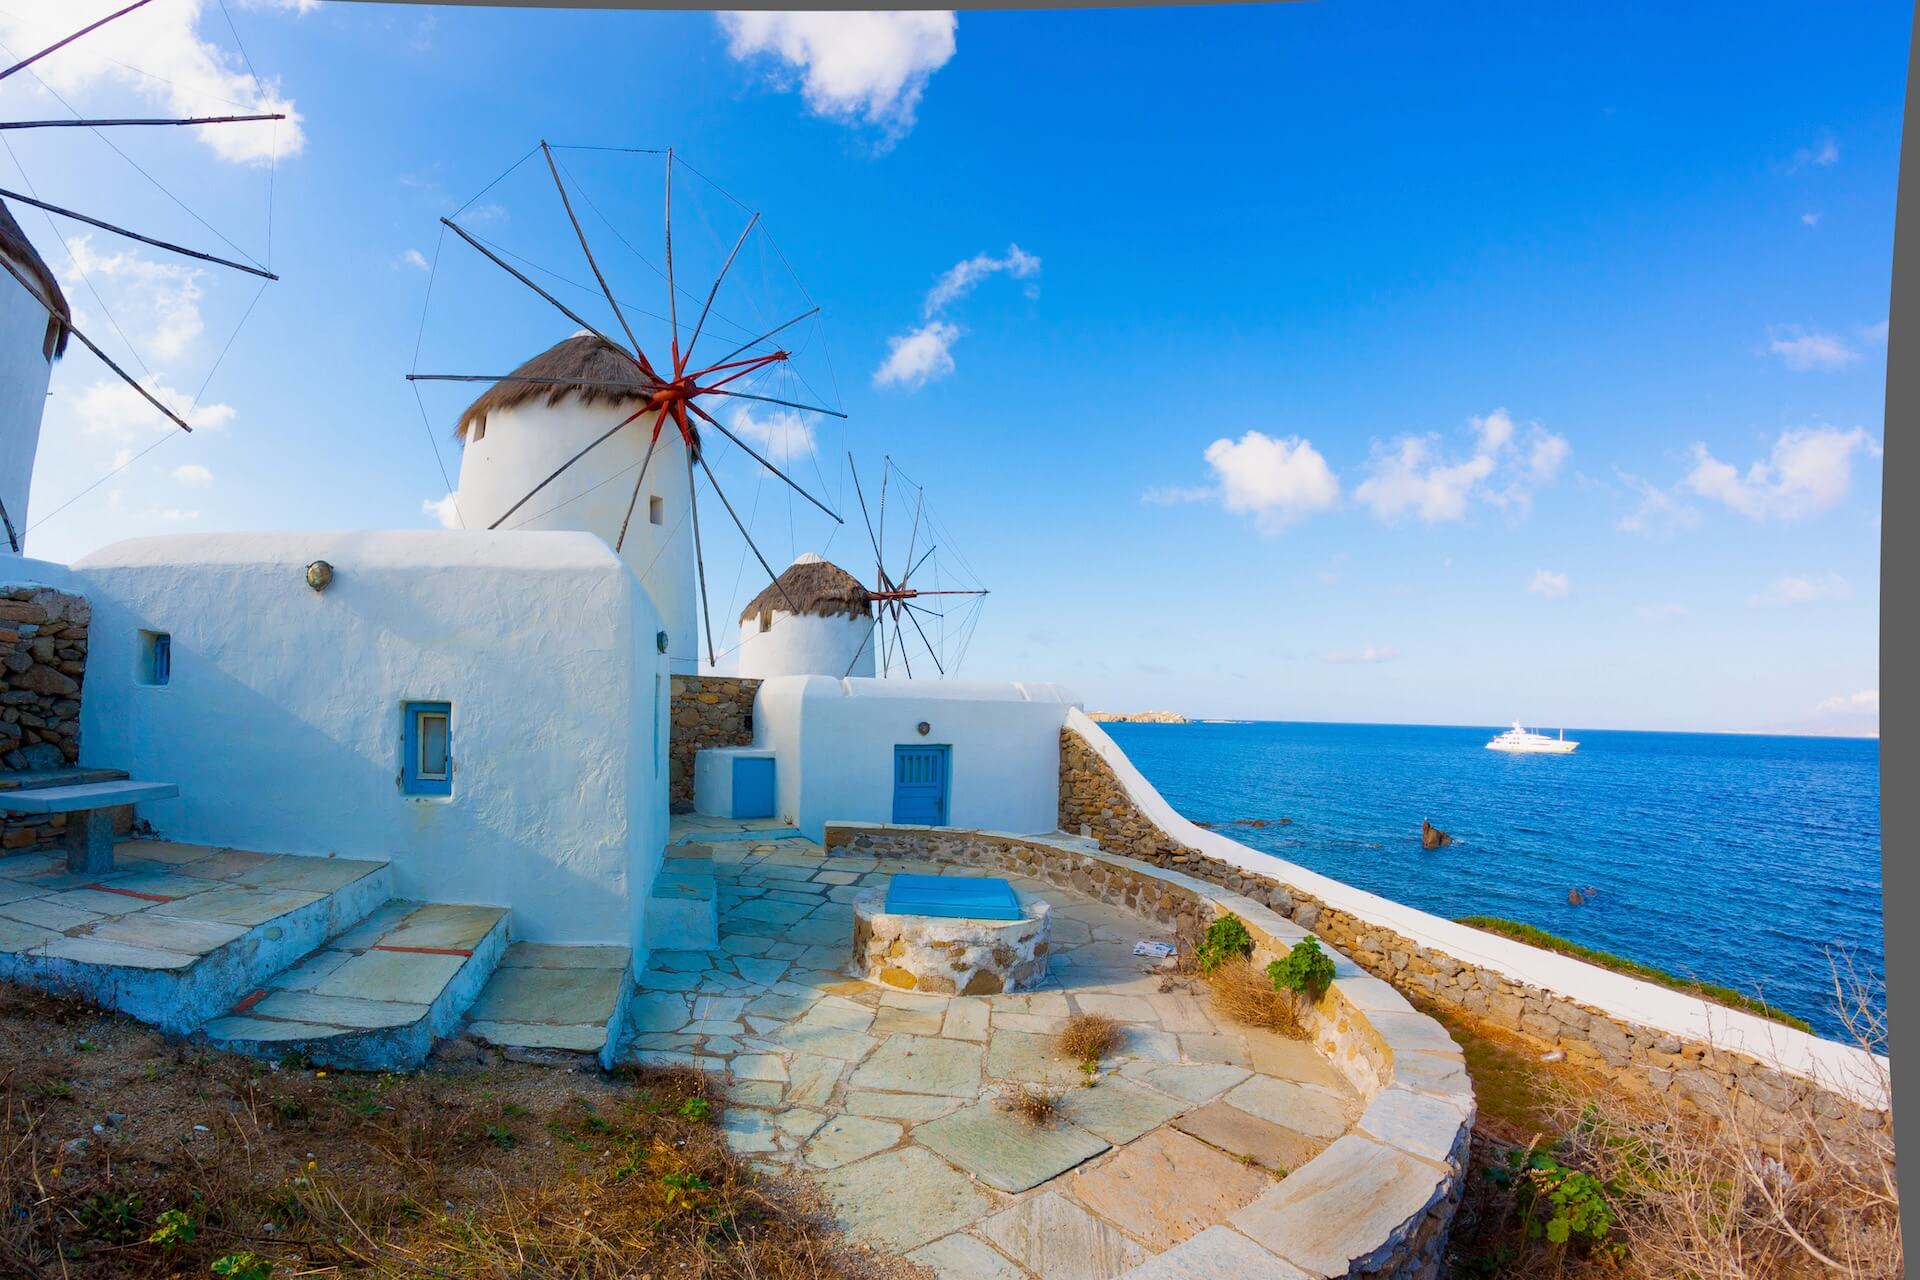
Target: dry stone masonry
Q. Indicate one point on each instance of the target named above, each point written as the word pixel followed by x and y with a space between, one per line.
pixel 707 711
pixel 43 660
pixel 1638 1058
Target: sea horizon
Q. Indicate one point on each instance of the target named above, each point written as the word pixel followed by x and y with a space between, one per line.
pixel 1498 726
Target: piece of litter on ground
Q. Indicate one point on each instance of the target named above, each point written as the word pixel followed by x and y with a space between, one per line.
pixel 1158 950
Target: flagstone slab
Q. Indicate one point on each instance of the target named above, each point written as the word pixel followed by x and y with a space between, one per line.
pixel 769 911
pixel 898 1106
pixel 1119 1111
pixel 51 914
pixel 1031 1059
pixel 578 1038
pixel 246 907
pixel 1057 1239
pixel 1241 1133
pixel 1228 1049
pixel 764 1094
pixel 913 1022
pixel 758 1066
pixel 406 976
pixel 18 935
pixel 168 851
pixel 747 1131
pixel 1166 1187
pixel 799 1123
pixel 1005 1151
pixel 844 1139
pixel 105 951
pixel 226 864
pixel 1147 1042
pixel 811 1078
pixel 1301 1107
pixel 1416 1123
pixel 1196 1082
pixel 558 997
pixel 1216 1254
pixel 91 904
pixel 321 875
pixel 760 969
pixel 337 1011
pixel 902 1199
pixel 921 1064
pixel 1341 1206
pixel 966 1019
pixel 548 955
pixel 963 1257
pixel 658 1011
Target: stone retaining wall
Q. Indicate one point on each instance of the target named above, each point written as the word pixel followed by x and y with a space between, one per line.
pixel 1637 1057
pixel 1376 1205
pixel 706 711
pixel 43 664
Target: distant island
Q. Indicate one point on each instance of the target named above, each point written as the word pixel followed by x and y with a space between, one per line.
pixel 1138 717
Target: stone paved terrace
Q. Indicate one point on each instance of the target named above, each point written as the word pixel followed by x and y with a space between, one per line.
pixel 890 1099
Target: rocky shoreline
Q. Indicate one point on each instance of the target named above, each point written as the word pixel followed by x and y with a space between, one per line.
pixel 1138 717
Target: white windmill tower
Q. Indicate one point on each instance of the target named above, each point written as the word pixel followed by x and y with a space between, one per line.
pixel 815 620
pixel 610 407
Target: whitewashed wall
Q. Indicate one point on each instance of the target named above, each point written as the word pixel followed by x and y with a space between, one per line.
pixel 833 742
pixel 522 446
pixel 282 720
pixel 807 644
pixel 24 372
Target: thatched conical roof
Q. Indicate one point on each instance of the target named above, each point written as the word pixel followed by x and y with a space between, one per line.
pixel 584 364
pixel 814 586
pixel 20 251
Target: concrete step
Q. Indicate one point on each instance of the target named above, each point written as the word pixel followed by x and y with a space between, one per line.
pixel 681 913
pixel 175 932
pixel 551 997
pixel 376 997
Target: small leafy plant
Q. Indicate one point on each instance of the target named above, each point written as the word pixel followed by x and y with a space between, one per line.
pixel 698 1110
pixel 1306 970
pixel 1558 1203
pixel 1226 939
pixel 173 1228
pixel 242 1266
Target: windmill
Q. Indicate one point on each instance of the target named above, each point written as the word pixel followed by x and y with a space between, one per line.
pixel 678 396
pixel 48 297
pixel 896 598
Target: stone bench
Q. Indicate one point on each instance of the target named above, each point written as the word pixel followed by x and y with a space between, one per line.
pixel 88 805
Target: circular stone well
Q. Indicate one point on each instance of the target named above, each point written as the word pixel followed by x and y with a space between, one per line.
pixel 947 955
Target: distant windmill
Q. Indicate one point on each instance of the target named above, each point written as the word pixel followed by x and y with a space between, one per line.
pixel 669 396
pixel 897 599
pixel 50 301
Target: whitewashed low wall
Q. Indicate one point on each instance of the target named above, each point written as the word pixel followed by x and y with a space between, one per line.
pixel 833 741
pixel 1665 1014
pixel 281 721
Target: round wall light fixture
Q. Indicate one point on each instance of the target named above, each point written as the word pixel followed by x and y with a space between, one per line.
pixel 660 641
pixel 924 728
pixel 319 575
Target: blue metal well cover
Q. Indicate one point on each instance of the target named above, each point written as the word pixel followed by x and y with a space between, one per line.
pixel 955 897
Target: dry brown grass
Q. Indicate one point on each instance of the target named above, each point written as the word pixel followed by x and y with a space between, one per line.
pixel 1709 1191
pixel 1245 994
pixel 511 1171
pixel 1088 1037
pixel 1035 1104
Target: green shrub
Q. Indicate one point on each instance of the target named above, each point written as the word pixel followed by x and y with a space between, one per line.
pixel 1305 970
pixel 242 1266
pixel 173 1229
pixel 1557 1203
pixel 1227 939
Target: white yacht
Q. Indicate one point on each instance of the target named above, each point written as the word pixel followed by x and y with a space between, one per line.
pixel 1522 742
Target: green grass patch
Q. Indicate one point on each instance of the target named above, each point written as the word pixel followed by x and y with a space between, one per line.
pixel 1620 964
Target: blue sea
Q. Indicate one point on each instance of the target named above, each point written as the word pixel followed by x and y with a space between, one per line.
pixel 1733 859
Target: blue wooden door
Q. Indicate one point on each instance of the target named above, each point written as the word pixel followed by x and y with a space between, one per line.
pixel 920 785
pixel 753 787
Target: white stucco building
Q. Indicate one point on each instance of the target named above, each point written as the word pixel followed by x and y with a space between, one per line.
pixel 31 339
pixel 815 620
pixel 518 433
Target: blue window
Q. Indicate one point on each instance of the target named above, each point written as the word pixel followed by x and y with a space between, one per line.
pixel 426 767
pixel 156 658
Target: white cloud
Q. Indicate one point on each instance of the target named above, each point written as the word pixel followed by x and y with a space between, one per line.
pixel 961 277
pixel 174 515
pixel 1809 219
pixel 781 433
pixel 113 411
pixel 1794 589
pixel 1506 465
pixel 443 510
pixel 184 75
pixel 1803 352
pixel 1279 481
pixel 925 354
pixel 157 304
pixel 1660 615
pixel 1874 333
pixel 1368 654
pixel 192 473
pixel 1659 511
pixel 917 358
pixel 1174 494
pixel 1809 470
pixel 415 259
pixel 1550 585
pixel 854 67
pixel 1824 153
pixel 1865 701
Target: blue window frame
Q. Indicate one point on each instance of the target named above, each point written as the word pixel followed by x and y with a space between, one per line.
pixel 426 764
pixel 156 658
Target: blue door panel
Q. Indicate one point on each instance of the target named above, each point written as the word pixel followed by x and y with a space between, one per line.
pixel 920 785
pixel 752 787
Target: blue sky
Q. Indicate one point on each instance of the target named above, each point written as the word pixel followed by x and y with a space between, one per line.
pixel 1335 361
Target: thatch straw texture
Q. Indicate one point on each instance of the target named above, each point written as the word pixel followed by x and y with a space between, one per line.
pixel 814 586
pixel 583 364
